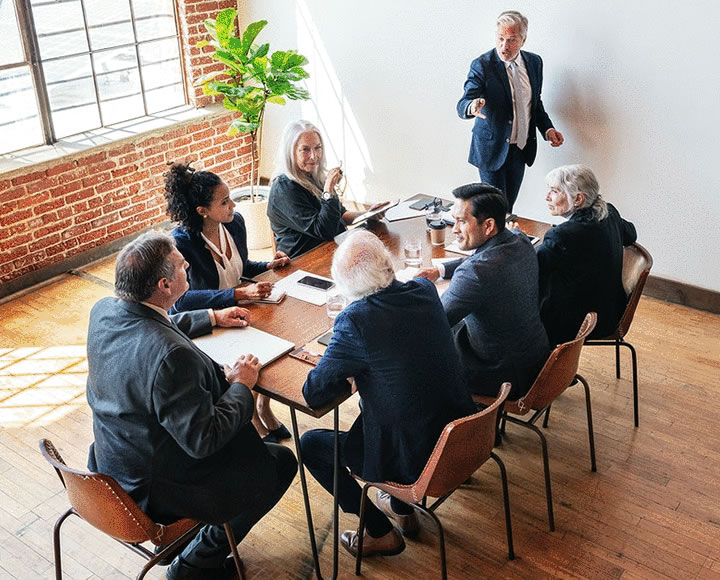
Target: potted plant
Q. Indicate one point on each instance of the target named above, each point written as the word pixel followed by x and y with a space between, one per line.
pixel 249 80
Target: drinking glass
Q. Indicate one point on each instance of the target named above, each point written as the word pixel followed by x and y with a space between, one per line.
pixel 413 252
pixel 334 302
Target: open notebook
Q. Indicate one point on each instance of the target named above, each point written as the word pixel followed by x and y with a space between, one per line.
pixel 225 345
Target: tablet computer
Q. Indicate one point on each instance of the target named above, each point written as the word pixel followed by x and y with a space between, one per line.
pixel 381 208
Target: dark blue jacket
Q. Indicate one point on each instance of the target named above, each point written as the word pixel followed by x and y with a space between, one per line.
pixel 202 272
pixel 488 79
pixel 398 346
pixel 581 271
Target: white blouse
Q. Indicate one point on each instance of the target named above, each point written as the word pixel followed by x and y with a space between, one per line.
pixel 229 269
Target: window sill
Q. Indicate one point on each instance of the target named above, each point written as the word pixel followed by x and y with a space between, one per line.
pixel 102 136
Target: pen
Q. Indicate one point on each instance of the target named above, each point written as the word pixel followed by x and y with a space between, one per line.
pixel 246 279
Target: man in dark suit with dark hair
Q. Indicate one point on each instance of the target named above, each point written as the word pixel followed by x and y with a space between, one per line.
pixel 503 93
pixel 492 300
pixel 170 424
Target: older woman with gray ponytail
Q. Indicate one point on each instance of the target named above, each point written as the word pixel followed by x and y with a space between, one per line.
pixel 581 259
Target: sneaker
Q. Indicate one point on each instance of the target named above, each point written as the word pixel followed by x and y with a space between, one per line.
pixel 180 570
pixel 390 544
pixel 407 523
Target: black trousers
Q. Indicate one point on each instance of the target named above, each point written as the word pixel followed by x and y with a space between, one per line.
pixel 210 547
pixel 317 450
pixel 508 178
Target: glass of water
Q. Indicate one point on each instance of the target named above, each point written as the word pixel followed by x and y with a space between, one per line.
pixel 334 302
pixel 413 252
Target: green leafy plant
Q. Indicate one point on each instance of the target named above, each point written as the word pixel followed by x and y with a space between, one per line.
pixel 250 78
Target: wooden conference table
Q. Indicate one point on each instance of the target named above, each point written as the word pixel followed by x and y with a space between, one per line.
pixel 300 322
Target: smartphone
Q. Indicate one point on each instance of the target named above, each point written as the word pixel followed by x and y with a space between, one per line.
pixel 511 218
pixel 420 205
pixel 317 283
pixel 325 338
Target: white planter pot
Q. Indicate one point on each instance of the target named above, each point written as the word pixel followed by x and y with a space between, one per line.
pixel 259 233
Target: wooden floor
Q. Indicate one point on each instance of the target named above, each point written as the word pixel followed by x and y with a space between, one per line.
pixel 652 509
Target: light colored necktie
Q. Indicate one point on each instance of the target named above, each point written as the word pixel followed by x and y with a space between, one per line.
pixel 521 120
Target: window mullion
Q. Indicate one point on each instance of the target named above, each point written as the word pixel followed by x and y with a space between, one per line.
pixel 92 63
pixel 32 54
pixel 137 57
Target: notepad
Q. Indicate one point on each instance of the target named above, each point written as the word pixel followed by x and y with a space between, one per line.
pixel 225 345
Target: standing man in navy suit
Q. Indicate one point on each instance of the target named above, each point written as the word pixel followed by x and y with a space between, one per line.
pixel 502 92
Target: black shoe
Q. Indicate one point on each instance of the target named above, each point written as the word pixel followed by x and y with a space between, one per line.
pixel 277 435
pixel 180 570
pixel 171 556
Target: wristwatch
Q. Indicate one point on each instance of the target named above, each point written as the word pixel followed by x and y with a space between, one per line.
pixel 327 195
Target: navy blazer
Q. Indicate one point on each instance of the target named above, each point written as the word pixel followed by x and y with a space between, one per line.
pixel 167 425
pixel 202 273
pixel 398 346
pixel 488 79
pixel 492 304
pixel 581 271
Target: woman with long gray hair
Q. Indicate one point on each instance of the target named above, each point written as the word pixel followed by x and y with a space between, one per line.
pixel 581 259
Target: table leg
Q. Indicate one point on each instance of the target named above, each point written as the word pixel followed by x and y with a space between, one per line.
pixel 336 477
pixel 306 498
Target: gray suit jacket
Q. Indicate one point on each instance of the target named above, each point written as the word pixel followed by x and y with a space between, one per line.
pixel 492 305
pixel 167 424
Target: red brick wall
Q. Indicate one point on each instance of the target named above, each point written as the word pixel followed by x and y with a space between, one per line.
pixel 192 14
pixel 55 210
pixel 52 211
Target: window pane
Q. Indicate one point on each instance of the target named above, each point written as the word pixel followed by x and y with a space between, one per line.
pixel 122 109
pixel 117 73
pixel 76 120
pixel 19 119
pixel 161 74
pixel 142 8
pixel 110 35
pixel 67 69
pixel 164 98
pixel 60 29
pixel 62 44
pixel 155 27
pixel 10 47
pixel 106 11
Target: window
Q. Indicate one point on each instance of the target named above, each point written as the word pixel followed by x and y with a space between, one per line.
pixel 68 66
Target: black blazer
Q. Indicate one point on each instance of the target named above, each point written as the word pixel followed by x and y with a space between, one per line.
pixel 491 136
pixel 581 271
pixel 167 425
pixel 202 272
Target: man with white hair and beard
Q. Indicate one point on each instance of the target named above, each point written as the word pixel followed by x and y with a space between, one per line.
pixel 395 340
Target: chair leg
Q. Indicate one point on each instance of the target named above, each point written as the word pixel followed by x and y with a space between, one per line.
pixel 233 548
pixel 633 354
pixel 547 416
pixel 361 528
pixel 546 466
pixel 441 536
pixel 506 501
pixel 56 543
pixel 591 436
pixel 617 358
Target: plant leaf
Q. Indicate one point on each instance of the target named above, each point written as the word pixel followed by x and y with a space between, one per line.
pixel 250 34
pixel 277 99
pixel 225 25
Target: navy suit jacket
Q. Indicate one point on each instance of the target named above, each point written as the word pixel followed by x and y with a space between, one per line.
pixel 202 273
pixel 398 346
pixel 167 425
pixel 581 271
pixel 488 79
pixel 492 304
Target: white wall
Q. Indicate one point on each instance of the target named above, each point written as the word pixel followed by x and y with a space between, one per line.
pixel 633 85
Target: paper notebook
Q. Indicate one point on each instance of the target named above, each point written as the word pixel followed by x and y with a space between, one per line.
pixel 225 345
pixel 312 351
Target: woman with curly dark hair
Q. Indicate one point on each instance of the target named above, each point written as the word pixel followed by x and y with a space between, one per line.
pixel 212 238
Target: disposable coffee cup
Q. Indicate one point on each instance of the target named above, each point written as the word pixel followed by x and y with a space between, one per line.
pixel 437 233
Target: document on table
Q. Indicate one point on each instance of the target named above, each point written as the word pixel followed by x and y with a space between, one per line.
pixel 403 210
pixel 407 274
pixel 225 345
pixel 453 247
pixel 290 285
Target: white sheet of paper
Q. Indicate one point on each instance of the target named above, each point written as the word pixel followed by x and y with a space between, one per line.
pixel 410 272
pixel 453 247
pixel 225 345
pixel 312 295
